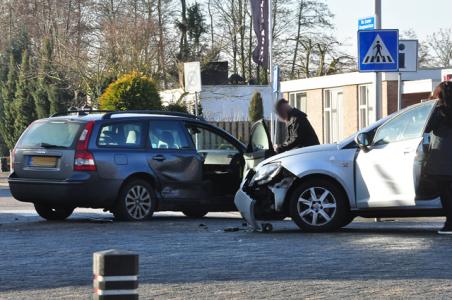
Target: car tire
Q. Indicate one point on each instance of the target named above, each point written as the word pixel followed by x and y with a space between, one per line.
pixel 195 213
pixel 319 205
pixel 136 201
pixel 348 220
pixel 53 214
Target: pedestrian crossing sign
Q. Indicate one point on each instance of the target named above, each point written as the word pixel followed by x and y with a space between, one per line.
pixel 378 50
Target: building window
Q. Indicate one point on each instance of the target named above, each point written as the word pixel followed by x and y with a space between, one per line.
pixel 299 101
pixel 332 115
pixel 366 111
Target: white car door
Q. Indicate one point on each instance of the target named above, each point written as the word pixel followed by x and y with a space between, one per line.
pixel 385 174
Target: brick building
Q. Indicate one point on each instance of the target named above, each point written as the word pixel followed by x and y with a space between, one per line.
pixel 339 105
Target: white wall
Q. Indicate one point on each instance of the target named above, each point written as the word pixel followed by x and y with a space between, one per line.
pixel 225 102
pixel 354 78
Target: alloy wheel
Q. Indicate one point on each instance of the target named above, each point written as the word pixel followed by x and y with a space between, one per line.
pixel 138 202
pixel 317 206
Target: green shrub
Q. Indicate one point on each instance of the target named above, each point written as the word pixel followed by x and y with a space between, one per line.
pixel 177 107
pixel 256 108
pixel 133 91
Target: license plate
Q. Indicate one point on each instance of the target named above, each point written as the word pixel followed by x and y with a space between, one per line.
pixel 43 161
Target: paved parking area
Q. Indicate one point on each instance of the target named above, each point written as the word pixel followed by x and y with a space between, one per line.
pixel 183 258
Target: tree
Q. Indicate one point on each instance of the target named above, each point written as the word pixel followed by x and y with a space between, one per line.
pixel 182 25
pixel 41 93
pixel 7 112
pixel 311 15
pixel 256 108
pixel 196 27
pixel 24 105
pixel 131 91
pixel 424 57
pixel 441 46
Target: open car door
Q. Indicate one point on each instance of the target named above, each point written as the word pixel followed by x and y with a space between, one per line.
pixel 259 147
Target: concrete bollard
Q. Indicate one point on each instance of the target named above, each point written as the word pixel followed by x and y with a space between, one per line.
pixel 115 275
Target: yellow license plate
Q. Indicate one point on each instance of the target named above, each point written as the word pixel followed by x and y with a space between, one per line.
pixel 43 161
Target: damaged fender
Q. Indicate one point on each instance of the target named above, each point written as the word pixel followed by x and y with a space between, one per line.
pixel 279 191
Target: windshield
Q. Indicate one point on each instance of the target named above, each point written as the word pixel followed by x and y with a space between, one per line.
pixel 373 126
pixel 50 134
pixel 377 124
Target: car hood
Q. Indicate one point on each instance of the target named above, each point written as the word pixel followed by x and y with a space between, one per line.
pixel 311 149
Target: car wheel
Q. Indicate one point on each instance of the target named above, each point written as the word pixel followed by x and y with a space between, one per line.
pixel 136 201
pixel 318 206
pixel 195 213
pixel 53 214
pixel 348 220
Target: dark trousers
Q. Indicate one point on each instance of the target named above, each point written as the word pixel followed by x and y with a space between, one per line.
pixel 445 189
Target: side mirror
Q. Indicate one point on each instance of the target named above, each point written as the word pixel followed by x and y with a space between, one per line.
pixel 362 139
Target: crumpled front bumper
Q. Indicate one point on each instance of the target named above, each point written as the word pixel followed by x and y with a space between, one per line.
pixel 264 202
pixel 245 205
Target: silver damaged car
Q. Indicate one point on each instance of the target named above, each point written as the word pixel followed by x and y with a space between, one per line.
pixel 374 173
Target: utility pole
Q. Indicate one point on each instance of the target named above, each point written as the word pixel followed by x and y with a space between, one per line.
pixel 378 75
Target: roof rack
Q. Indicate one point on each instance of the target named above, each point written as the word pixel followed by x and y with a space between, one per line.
pixel 108 115
pixel 80 112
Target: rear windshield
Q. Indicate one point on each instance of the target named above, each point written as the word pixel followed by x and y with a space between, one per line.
pixel 50 134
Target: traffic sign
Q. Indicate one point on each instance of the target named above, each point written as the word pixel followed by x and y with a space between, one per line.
pixel 192 76
pixel 366 23
pixel 408 55
pixel 378 50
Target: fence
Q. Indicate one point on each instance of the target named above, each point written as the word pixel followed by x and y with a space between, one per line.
pixel 241 129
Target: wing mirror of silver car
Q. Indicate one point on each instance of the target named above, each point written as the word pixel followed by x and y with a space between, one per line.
pixel 363 141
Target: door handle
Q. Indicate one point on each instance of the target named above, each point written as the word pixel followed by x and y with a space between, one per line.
pixel 159 158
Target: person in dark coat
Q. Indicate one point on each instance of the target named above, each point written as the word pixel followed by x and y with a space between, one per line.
pixel 299 131
pixel 439 161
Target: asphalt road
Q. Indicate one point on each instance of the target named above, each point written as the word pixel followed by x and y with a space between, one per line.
pixel 183 258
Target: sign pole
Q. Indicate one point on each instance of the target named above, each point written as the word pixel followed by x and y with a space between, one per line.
pixel 196 103
pixel 273 118
pixel 378 75
pixel 399 95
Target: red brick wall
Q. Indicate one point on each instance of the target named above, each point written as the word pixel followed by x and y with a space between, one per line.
pixel 410 99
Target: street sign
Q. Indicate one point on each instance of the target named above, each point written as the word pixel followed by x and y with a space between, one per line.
pixel 366 23
pixel 378 50
pixel 192 76
pixel 408 55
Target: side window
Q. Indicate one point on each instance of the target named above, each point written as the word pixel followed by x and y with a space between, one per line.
pixel 121 135
pixel 259 138
pixel 406 126
pixel 208 140
pixel 168 135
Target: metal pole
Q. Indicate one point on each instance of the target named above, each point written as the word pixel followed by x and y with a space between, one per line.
pixel 196 103
pixel 273 119
pixel 378 75
pixel 399 94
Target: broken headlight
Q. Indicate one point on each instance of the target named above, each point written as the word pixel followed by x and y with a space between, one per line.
pixel 266 173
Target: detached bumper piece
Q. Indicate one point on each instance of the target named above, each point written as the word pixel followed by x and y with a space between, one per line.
pixel 245 205
pixel 263 202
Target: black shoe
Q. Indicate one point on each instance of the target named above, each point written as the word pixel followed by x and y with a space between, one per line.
pixel 447 229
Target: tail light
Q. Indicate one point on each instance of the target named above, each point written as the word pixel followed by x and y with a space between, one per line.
pixel 12 156
pixel 84 160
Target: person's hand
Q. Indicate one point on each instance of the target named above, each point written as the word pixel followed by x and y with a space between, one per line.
pixel 277 148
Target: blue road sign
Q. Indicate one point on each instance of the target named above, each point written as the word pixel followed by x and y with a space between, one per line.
pixel 378 50
pixel 366 23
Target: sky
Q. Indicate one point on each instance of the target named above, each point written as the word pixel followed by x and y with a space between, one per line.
pixel 424 16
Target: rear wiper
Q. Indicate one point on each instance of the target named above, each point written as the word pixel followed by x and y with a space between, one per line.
pixel 47 145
